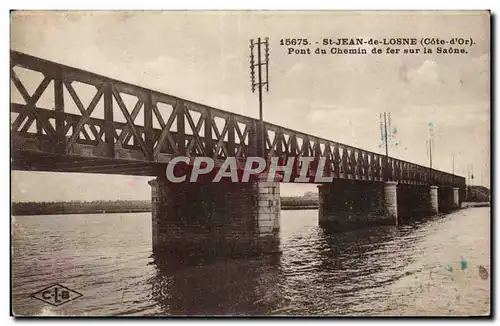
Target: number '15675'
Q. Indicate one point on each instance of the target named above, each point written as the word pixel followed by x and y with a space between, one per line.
pixel 294 41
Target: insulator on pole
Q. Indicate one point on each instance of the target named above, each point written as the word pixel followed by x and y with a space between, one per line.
pixel 252 67
pixel 262 60
pixel 267 64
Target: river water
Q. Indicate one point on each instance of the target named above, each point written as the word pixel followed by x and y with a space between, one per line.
pixel 428 267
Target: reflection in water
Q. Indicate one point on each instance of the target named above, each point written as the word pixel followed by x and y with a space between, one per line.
pixel 218 287
pixel 385 270
pixel 332 271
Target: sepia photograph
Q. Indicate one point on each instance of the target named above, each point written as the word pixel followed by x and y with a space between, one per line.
pixel 277 163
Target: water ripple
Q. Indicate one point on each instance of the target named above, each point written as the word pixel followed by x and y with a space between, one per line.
pixel 374 271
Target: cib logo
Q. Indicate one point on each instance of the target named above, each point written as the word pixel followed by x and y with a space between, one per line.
pixel 56 295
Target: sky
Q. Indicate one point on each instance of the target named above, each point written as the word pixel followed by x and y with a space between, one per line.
pixel 204 57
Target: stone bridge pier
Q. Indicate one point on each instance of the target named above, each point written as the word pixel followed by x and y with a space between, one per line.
pixel 211 219
pixel 416 201
pixel 347 204
pixel 446 199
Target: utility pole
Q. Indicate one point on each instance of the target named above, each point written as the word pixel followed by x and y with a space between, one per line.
pixel 431 139
pixel 453 163
pixel 430 154
pixel 383 136
pixel 468 183
pixel 429 150
pixel 385 131
pixel 430 159
pixel 260 83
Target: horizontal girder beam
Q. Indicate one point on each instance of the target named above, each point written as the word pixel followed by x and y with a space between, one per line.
pixel 159 126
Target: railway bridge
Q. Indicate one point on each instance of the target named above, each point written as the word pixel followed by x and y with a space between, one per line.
pixel 95 124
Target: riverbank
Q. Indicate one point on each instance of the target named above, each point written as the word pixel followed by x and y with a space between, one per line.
pixel 76 207
pixel 297 207
pixel 19 209
pixel 139 206
pixel 124 206
pixel 127 210
pixel 473 204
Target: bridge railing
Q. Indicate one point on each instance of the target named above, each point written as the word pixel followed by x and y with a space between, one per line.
pixel 142 124
pixel 344 161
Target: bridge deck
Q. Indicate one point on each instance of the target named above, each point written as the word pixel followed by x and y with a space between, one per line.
pixel 141 130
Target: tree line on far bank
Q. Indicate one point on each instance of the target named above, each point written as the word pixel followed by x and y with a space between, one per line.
pixel 80 207
pixel 120 206
pixel 308 201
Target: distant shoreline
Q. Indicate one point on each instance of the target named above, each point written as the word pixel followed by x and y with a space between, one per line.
pixel 285 208
pixel 297 207
pixel 136 206
pixel 75 212
pixel 475 204
pixel 106 207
